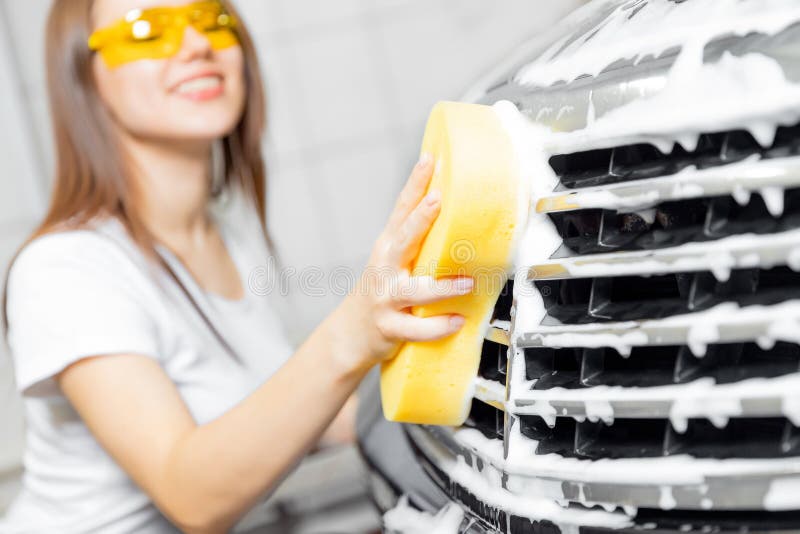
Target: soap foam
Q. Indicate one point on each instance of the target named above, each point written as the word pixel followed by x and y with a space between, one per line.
pixel 405 519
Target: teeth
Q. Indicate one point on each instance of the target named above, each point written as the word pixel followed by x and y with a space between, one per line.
pixel 199 84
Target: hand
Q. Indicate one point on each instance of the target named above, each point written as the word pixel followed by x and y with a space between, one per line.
pixel 379 310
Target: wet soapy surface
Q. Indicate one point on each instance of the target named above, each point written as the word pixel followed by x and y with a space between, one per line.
pixel 749 92
pixel 405 519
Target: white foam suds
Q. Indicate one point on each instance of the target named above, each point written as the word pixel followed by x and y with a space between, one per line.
pixel 647 215
pixel 741 195
pixel 539 238
pixel 715 97
pixel 773 198
pixel 630 510
pixel 717 409
pixel 700 336
pixel 793 259
pixel 528 506
pixel 654 29
pixel 783 494
pixel 489 391
pixel 702 398
pixel 538 486
pixel 775 322
pixel 622 343
pixel 678 470
pixel 720 257
pixel 405 519
pixel 666 501
pixel 697 97
pixel 545 410
pixel 790 407
pixel 502 325
pixel 720 266
pixel 600 410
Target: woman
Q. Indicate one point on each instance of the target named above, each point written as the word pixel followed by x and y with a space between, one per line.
pixel 159 392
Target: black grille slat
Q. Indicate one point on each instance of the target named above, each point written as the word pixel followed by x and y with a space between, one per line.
pixel 787 143
pixel 640 438
pixel 632 298
pixel 774 437
pixel 494 356
pixel 642 160
pixel 652 366
pixel 502 309
pixel 548 360
pixel 558 379
pixel 558 439
pixel 671 224
pixel 739 438
pixel 656 368
pixel 493 361
pixel 486 419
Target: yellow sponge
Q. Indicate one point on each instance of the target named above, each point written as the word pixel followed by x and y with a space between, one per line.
pixel 477 172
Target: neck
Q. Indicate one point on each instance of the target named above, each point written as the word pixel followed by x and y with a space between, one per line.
pixel 173 187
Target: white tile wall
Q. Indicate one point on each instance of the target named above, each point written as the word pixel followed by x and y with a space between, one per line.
pixel 360 193
pixel 21 203
pixel 350 84
pixel 340 91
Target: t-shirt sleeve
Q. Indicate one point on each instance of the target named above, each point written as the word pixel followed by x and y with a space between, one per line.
pixel 71 296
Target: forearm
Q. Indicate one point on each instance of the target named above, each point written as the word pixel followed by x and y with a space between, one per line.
pixel 342 430
pixel 220 470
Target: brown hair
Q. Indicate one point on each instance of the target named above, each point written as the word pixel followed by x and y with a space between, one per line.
pixel 91 169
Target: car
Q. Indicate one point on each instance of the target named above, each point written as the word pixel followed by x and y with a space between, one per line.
pixel 641 372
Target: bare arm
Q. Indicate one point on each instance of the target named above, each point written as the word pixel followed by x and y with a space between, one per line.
pixel 342 430
pixel 204 478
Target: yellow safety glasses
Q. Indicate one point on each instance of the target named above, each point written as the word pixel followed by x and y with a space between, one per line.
pixel 157 33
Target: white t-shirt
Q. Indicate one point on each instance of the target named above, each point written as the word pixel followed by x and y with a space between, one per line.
pixel 91 292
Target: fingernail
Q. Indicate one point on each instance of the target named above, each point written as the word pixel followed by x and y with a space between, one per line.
pixel 456 322
pixel 424 159
pixel 463 285
pixel 433 197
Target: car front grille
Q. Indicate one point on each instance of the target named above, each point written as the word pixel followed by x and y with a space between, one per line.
pixel 618 373
pixel 642 371
pixel 580 398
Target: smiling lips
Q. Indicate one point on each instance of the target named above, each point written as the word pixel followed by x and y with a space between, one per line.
pixel 201 88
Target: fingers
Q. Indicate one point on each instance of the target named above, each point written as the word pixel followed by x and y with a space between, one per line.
pixel 409 237
pixel 407 327
pixel 422 290
pixel 413 191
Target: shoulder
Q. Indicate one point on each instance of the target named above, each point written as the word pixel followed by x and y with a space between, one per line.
pixel 69 246
pixel 97 257
pixel 76 294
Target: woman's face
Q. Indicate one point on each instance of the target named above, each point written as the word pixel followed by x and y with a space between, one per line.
pixel 197 94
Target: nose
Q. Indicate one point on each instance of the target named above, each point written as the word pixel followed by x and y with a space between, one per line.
pixel 195 45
